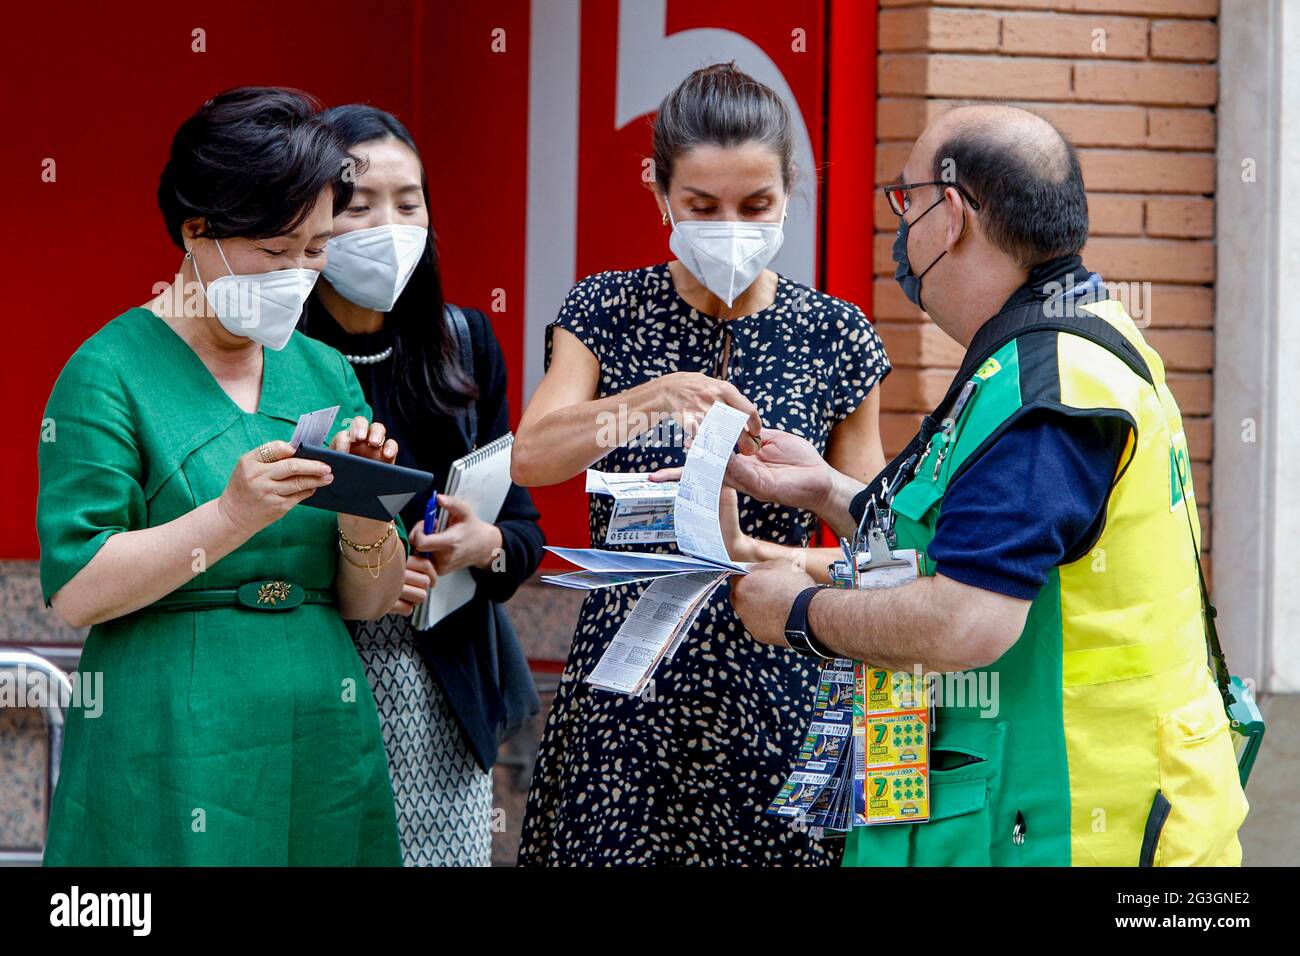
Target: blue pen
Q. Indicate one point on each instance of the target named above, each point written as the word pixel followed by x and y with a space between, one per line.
pixel 430 517
pixel 419 615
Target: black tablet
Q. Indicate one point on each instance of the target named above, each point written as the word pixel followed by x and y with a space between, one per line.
pixel 370 489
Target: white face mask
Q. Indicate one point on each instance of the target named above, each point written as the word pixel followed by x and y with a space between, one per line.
pixel 262 306
pixel 372 266
pixel 726 256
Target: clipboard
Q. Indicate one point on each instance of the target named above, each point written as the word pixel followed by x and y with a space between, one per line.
pixel 482 480
pixel 362 487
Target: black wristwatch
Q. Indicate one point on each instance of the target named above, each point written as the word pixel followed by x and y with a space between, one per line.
pixel 797 632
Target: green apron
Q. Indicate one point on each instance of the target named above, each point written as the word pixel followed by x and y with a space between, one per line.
pixel 1071 748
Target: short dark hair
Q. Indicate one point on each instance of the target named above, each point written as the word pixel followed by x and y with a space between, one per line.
pixel 251 162
pixel 1032 201
pixel 721 105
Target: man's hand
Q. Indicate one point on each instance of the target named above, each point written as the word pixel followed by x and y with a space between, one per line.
pixel 763 598
pixel 786 469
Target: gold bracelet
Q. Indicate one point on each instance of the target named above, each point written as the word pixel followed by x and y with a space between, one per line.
pixel 374 569
pixel 392 526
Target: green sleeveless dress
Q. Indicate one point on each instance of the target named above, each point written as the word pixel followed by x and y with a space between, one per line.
pixel 224 736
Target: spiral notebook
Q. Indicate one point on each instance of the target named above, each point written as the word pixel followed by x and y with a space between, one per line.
pixel 482 480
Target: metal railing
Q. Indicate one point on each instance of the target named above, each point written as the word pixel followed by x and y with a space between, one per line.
pixel 18 661
pixel 21 663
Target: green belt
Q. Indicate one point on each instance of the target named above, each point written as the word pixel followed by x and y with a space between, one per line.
pixel 257 595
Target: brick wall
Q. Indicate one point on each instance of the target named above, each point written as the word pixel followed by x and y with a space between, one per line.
pixel 1140 109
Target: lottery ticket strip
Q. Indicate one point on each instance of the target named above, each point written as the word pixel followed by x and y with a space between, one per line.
pixel 865 757
pixel 684 512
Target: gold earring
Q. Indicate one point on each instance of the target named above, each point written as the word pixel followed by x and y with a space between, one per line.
pixel 665 219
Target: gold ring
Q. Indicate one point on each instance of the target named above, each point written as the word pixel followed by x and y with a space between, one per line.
pixel 264 453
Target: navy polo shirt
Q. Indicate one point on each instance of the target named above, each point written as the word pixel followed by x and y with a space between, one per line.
pixel 1034 500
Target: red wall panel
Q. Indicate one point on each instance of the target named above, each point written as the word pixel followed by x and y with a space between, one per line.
pixel 101 93
pixel 850 151
pixel 101 90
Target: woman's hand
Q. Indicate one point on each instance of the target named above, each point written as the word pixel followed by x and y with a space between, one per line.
pixel 740 546
pixel 366 439
pixel 688 396
pixel 468 541
pixel 370 583
pixel 259 494
pixel 420 576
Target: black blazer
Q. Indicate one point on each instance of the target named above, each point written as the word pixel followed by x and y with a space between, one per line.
pixel 473 648
pixel 474 651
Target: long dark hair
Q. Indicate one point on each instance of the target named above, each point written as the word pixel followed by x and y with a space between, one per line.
pixel 428 381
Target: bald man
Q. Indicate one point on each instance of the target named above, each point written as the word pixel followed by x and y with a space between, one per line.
pixel 1049 502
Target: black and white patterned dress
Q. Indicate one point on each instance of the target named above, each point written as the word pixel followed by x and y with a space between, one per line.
pixel 685 778
pixel 440 729
pixel 443 797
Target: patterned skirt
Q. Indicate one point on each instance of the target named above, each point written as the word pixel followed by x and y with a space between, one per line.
pixel 443 797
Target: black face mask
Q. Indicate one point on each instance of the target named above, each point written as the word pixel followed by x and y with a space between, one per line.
pixel 903 275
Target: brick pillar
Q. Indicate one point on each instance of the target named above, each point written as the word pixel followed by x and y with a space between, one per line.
pixel 1133 84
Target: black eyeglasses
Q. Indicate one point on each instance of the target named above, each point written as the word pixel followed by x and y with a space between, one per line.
pixel 899 202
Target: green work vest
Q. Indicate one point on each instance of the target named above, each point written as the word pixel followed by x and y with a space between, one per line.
pixel 1055 754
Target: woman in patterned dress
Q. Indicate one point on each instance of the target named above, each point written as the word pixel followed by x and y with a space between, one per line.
pixel 445 695
pixel 684 776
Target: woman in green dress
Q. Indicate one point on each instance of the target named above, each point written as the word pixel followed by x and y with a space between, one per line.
pixel 235 725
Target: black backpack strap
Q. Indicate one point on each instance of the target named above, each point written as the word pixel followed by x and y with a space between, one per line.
pixel 1039 316
pixel 458 326
pixel 1215 657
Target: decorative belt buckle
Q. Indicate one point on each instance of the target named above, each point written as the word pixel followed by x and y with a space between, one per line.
pixel 271 595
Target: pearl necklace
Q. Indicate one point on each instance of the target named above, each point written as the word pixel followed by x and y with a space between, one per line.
pixel 369 359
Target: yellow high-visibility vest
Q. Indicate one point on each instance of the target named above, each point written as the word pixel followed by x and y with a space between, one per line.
pixel 1110 745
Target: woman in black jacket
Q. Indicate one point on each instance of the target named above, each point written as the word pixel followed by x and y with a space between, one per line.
pixel 446 696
